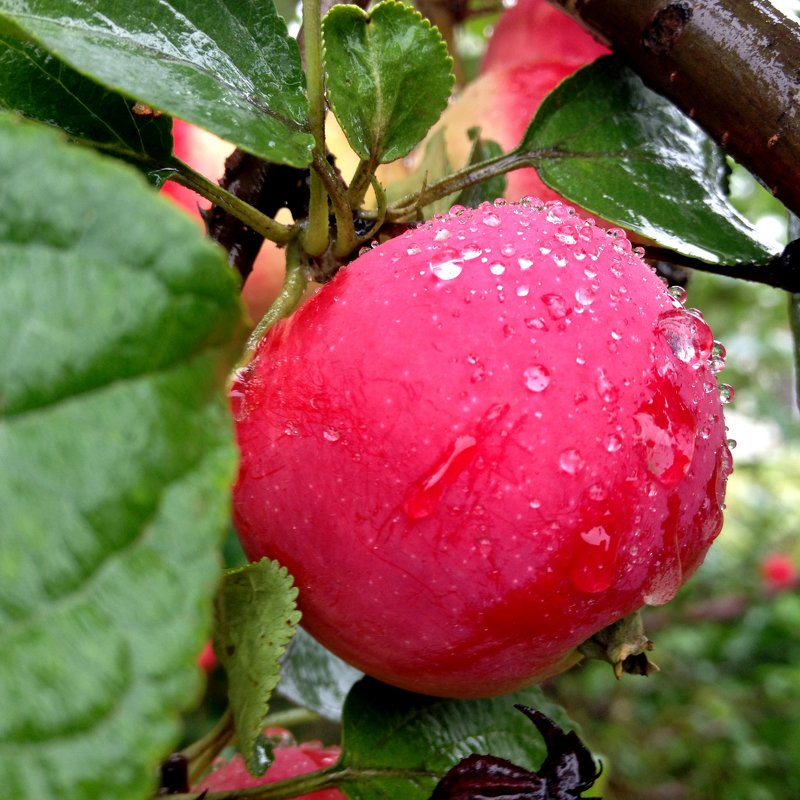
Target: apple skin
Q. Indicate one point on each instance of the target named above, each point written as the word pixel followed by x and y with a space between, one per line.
pixel 290 760
pixel 536 32
pixel 483 442
pixel 533 48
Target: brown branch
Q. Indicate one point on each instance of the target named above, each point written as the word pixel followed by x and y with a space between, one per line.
pixel 733 66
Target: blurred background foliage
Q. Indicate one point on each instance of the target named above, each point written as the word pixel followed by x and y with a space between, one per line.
pixel 722 718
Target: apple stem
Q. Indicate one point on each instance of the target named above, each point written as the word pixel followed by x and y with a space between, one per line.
pixel 202 753
pixel 294 285
pixel 261 223
pixel 316 233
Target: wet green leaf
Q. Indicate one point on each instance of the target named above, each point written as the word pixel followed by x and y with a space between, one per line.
pixel 388 77
pixel 119 324
pixel 407 742
pixel 256 617
pixel 39 86
pixel 620 151
pixel 229 67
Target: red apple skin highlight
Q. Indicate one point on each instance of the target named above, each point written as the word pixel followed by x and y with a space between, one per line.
pixel 480 444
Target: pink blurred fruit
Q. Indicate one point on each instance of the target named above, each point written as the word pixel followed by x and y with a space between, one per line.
pixel 290 761
pixel 479 445
pixel 779 572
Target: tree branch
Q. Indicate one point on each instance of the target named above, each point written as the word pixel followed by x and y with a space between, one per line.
pixel 734 67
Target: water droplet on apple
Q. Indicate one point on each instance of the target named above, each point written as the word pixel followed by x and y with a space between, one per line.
pixel 497 269
pixel 571 461
pixel 726 393
pixel 490 219
pixel 594 559
pixel 537 378
pixel 688 336
pixel 667 431
pixel 556 306
pixel 424 496
pixel 331 435
pixel 446 270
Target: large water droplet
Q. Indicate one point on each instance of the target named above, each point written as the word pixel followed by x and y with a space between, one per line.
pixel 667 431
pixel 688 336
pixel 446 270
pixel 537 378
pixel 555 305
pixel 571 461
pixel 594 558
pixel 726 393
pixel 423 497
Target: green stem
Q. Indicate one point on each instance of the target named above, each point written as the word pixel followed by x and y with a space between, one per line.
pixel 294 285
pixel 290 718
pixel 346 239
pixel 261 223
pixel 202 753
pixel 316 234
pixel 470 175
pixel 361 182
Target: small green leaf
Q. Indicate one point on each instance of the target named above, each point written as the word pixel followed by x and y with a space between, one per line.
pixel 255 618
pixel 231 68
pixel 39 86
pixel 404 743
pixel 119 324
pixel 620 151
pixel 388 77
pixel 489 190
pixel 314 678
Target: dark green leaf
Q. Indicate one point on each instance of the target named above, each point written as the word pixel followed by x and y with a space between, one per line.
pixel 255 619
pixel 388 77
pixel 226 66
pixel 37 85
pixel 119 324
pixel 313 677
pixel 407 742
pixel 620 151
pixel 489 190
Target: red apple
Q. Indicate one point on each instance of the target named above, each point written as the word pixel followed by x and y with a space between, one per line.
pixel 483 442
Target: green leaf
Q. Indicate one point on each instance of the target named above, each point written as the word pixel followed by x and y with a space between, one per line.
pixel 388 77
pixel 119 323
pixel 226 66
pixel 618 150
pixel 255 618
pixel 314 678
pixel 404 743
pixel 489 190
pixel 39 86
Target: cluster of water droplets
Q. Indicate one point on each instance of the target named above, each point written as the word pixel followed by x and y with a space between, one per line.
pixel 692 341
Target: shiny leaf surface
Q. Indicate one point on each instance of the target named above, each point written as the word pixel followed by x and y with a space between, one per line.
pixel 388 77
pixel 620 151
pixel 226 65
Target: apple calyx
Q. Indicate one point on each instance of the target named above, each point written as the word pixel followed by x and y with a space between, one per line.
pixel 624 645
